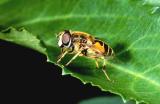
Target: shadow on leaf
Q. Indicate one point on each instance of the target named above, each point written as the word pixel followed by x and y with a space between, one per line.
pixel 121 52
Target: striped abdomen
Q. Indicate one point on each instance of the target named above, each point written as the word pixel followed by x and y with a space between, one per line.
pixel 104 48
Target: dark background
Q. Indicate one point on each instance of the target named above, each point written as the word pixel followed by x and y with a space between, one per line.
pixel 27 77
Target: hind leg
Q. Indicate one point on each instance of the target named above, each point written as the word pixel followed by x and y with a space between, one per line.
pixel 96 62
pixel 104 71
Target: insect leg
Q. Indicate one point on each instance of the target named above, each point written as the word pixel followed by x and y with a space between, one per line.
pixel 97 65
pixel 104 71
pixel 73 58
pixel 61 56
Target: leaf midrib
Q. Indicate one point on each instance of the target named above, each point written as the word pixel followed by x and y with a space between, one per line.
pixel 72 16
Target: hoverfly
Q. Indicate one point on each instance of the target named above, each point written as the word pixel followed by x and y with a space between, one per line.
pixel 83 44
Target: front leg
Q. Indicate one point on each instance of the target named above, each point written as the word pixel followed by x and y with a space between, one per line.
pixel 80 50
pixel 74 57
pixel 61 56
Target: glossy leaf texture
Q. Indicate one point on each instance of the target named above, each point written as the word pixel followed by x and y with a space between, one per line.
pixel 130 27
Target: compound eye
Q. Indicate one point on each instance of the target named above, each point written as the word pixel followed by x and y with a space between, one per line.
pixel 66 38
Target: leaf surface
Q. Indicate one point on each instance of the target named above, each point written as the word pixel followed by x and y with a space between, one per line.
pixel 130 27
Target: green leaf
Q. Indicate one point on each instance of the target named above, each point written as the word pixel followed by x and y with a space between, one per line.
pixel 22 37
pixel 131 27
pixel 104 100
